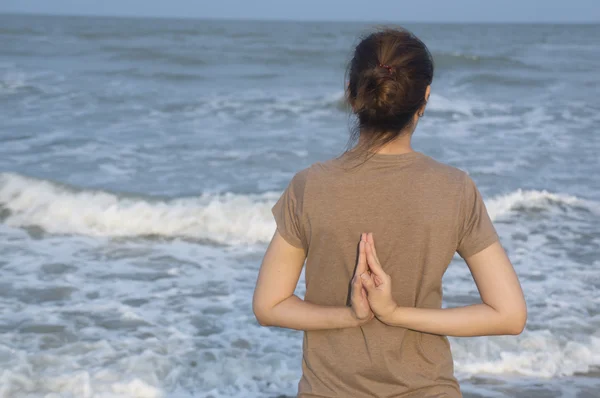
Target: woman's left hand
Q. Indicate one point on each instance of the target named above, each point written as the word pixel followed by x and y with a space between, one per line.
pixel 360 308
pixel 378 283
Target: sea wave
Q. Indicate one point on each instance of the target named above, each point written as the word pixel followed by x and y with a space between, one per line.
pixel 225 218
pixel 150 373
pixel 16 81
pixel 136 73
pixel 504 80
pixel 538 353
pixel 258 104
pixel 140 32
pixel 440 104
pixel 451 60
pixel 150 54
pixel 59 209
pixel 11 82
pixel 521 201
pixel 273 106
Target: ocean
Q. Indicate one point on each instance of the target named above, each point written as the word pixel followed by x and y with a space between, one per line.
pixel 140 158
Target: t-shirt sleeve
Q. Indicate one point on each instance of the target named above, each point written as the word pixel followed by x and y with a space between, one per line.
pixel 476 230
pixel 288 212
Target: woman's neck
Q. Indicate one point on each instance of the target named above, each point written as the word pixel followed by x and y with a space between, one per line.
pixel 400 145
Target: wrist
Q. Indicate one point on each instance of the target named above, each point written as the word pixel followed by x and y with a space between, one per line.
pixel 355 320
pixel 389 315
pixel 351 317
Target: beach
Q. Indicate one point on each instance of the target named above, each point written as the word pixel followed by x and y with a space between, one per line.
pixel 140 159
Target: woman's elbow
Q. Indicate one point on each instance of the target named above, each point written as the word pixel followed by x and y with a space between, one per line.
pixel 262 314
pixel 263 320
pixel 516 321
pixel 518 326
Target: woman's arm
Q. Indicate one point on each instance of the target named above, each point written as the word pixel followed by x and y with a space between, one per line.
pixel 503 310
pixel 275 304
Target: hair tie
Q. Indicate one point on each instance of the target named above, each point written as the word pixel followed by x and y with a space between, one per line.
pixel 389 68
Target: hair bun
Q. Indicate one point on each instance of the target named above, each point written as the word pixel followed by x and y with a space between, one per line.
pixel 378 94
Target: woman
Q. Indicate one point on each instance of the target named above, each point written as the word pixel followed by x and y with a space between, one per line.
pixel 372 314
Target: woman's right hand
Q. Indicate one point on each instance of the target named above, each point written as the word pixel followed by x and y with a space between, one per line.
pixel 378 283
pixel 360 308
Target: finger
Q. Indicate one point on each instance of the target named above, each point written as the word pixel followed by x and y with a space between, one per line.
pixel 373 263
pixel 356 287
pixel 356 284
pixel 361 265
pixel 367 282
pixel 371 240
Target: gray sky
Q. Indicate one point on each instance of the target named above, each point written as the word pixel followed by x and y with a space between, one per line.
pixel 356 10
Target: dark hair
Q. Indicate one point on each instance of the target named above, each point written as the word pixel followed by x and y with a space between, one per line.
pixel 388 77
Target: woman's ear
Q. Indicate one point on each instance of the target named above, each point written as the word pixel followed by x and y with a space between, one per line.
pixel 349 100
pixel 421 111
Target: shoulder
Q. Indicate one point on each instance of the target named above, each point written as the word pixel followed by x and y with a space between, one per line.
pixel 318 173
pixel 453 181
pixel 299 179
pixel 299 182
pixel 317 170
pixel 325 166
pixel 442 172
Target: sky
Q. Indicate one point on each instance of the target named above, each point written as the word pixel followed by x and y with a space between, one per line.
pixel 529 11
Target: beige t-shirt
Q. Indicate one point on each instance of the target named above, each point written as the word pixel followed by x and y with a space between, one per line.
pixel 420 212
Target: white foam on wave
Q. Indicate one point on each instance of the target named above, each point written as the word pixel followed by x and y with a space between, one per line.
pixel 21 380
pixel 11 81
pixel 262 105
pixel 535 354
pixel 193 334
pixel 152 374
pixel 227 218
pixel 439 103
pixel 272 106
pixel 531 199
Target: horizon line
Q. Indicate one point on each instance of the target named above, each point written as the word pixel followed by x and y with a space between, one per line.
pixel 230 19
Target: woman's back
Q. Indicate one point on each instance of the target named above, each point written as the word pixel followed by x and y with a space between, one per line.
pixel 421 212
